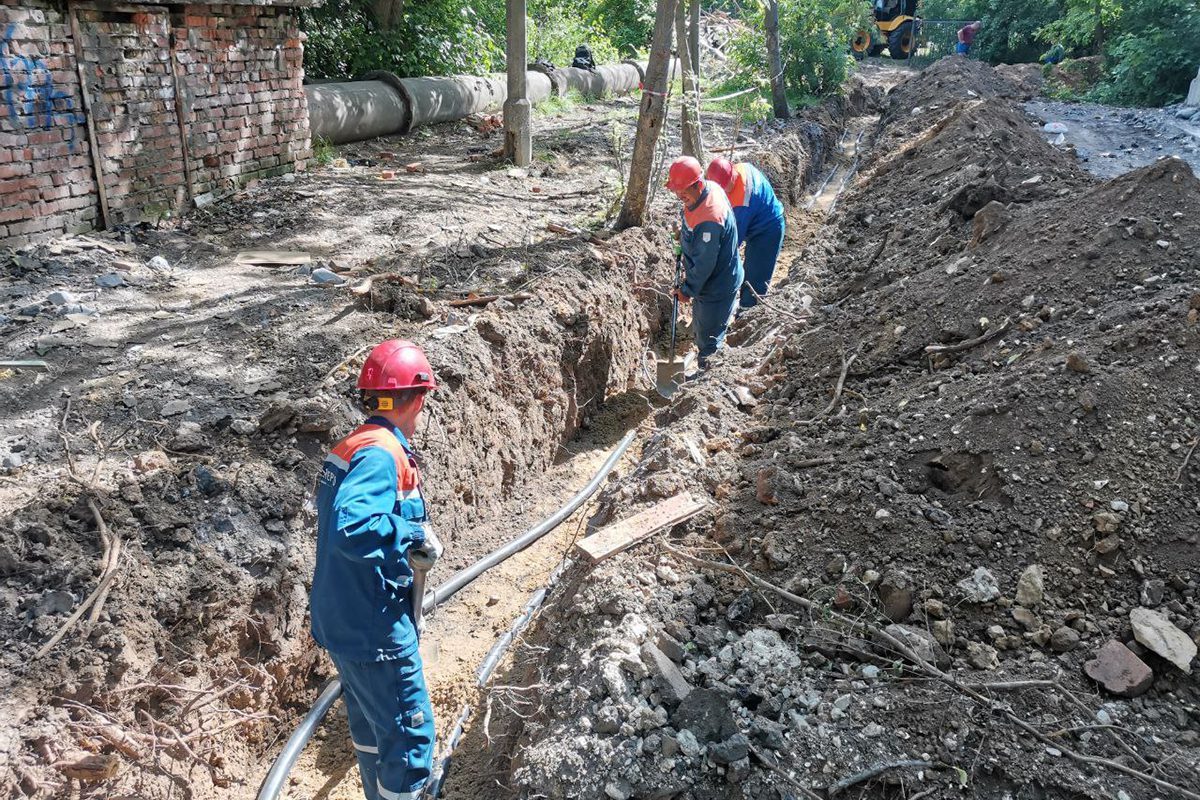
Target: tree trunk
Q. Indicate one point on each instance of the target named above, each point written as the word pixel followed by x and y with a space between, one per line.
pixel 694 39
pixel 387 12
pixel 775 63
pixel 650 119
pixel 689 105
pixel 1099 43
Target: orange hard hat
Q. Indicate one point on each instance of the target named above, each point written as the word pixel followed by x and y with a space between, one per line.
pixel 396 364
pixel 684 172
pixel 720 172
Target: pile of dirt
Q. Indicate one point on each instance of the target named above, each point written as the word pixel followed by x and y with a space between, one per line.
pixel 194 494
pixel 979 447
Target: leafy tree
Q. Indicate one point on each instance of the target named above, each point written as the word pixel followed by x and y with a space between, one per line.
pixel 627 22
pixel 432 37
pixel 1082 24
pixel 813 36
pixel 953 9
pixel 1010 29
pixel 1153 54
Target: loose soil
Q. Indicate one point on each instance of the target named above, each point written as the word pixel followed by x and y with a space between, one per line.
pixel 985 369
pixel 186 408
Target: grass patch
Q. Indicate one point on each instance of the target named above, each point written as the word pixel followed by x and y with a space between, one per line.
pixel 752 106
pixel 555 105
pixel 323 152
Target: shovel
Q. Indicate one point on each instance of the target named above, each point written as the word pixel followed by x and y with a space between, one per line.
pixel 671 371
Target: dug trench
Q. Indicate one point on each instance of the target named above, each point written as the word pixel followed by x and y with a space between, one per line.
pixel 192 537
pixel 951 547
pixel 207 632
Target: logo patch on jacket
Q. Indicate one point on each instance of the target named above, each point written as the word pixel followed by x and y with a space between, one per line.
pixel 707 236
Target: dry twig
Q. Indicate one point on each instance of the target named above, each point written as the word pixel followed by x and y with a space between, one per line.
pixel 1186 459
pixel 107 576
pixel 837 392
pixel 933 349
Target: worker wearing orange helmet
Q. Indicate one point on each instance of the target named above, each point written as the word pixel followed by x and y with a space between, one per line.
pixel 371 522
pixel 760 223
pixel 712 267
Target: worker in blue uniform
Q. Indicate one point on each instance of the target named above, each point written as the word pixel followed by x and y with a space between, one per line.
pixel 371 517
pixel 760 222
pixel 712 267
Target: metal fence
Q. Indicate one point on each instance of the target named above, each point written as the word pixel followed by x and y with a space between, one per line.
pixel 935 38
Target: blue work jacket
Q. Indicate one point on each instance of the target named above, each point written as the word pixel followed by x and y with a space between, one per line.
pixel 370 511
pixel 708 237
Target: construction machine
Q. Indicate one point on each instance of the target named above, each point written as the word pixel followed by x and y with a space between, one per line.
pixel 895 30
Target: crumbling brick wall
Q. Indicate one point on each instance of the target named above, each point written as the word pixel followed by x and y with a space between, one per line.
pixel 247 114
pixel 46 180
pixel 185 102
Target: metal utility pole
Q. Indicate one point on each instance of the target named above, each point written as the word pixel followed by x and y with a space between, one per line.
pixel 518 114
pixel 650 119
pixel 775 63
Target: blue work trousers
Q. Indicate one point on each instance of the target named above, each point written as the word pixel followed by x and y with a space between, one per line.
pixel 762 252
pixel 391 722
pixel 710 320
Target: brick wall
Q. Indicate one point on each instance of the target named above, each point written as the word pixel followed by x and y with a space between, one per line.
pixel 247 114
pixel 187 102
pixel 46 183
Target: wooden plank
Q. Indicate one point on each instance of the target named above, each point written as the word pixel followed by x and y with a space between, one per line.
pixel 85 94
pixel 273 258
pixel 625 534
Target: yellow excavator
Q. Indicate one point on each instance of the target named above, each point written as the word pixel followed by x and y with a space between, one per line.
pixel 895 30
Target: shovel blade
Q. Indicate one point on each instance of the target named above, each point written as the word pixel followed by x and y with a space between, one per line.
pixel 670 376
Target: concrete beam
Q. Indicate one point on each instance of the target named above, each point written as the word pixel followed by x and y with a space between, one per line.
pixel 518 114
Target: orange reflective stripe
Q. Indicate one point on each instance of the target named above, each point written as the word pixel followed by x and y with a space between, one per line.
pixel 713 208
pixel 741 180
pixel 407 477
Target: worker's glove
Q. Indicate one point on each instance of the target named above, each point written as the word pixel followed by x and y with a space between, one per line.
pixel 678 250
pixel 431 549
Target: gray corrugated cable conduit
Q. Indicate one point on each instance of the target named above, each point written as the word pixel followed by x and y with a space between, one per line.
pixel 383 104
pixel 277 777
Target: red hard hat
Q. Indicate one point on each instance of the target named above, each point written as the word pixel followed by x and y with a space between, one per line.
pixel 720 172
pixel 396 364
pixel 684 171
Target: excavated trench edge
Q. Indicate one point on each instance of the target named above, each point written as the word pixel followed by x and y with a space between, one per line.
pixel 494 657
pixel 605 326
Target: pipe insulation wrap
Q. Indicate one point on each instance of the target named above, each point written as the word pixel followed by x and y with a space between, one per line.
pixel 383 104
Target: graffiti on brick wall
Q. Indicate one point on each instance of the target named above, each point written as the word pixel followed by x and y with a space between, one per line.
pixel 29 91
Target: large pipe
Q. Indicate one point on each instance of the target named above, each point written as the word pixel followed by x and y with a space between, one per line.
pixel 384 105
pixel 277 777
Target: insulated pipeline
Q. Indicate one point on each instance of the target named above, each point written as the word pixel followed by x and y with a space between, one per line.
pixel 383 104
pixel 277 777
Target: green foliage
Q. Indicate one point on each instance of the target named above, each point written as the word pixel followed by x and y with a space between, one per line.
pixel 1010 30
pixel 812 41
pixel 323 152
pixel 554 104
pixel 1082 23
pixel 1153 53
pixel 628 23
pixel 556 28
pixel 432 37
pixel 953 9
pixel 439 37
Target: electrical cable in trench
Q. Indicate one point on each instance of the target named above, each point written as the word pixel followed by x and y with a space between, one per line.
pixel 277 777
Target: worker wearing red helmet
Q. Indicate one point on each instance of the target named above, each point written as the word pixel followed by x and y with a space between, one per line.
pixel 371 516
pixel 760 224
pixel 712 268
